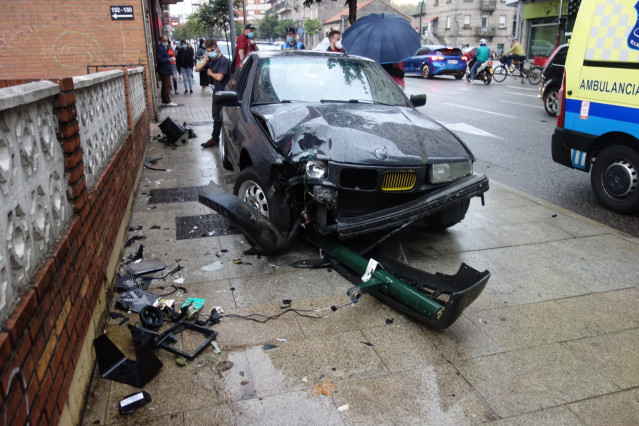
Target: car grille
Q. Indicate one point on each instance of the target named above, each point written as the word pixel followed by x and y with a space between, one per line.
pixel 402 180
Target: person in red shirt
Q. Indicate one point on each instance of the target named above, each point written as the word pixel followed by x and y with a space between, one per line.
pixel 335 39
pixel 396 71
pixel 245 44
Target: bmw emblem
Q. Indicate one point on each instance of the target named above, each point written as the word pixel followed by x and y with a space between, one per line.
pixel 381 153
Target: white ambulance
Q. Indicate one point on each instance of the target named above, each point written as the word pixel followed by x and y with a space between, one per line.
pixel 598 115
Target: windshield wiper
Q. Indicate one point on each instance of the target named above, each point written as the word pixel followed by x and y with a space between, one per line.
pixel 353 101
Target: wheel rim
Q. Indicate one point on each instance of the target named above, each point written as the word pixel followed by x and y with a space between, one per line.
pixel 620 179
pixel 425 71
pixel 551 102
pixel 253 195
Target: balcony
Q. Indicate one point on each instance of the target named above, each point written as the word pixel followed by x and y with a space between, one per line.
pixel 488 5
pixel 485 32
pixel 282 6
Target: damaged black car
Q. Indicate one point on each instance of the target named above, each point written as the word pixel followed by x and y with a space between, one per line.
pixel 330 139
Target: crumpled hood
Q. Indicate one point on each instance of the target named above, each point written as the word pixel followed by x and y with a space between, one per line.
pixel 351 133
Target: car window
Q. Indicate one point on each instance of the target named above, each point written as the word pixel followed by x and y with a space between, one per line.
pixel 449 52
pixel 241 76
pixel 421 52
pixel 300 78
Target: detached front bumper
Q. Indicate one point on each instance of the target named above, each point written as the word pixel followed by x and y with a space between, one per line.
pixel 431 203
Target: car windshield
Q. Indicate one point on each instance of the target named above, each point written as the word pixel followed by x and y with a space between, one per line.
pixel 320 79
pixel 449 52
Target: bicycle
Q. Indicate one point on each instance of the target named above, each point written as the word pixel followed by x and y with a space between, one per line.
pixel 527 71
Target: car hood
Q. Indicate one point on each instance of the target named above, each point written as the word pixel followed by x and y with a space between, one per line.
pixel 358 134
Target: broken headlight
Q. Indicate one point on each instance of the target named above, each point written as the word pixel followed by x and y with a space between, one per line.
pixel 316 169
pixel 447 172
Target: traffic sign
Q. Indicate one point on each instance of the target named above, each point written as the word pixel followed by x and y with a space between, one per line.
pixel 122 13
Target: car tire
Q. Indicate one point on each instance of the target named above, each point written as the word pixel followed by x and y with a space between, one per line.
pixel 550 101
pixel 251 188
pixel 426 71
pixel 449 216
pixel 615 179
pixel 226 163
pixel 459 76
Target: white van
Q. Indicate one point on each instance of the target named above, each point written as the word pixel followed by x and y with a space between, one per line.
pixel 598 113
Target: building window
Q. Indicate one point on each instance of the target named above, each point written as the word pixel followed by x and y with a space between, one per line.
pixel 502 21
pixel 514 33
pixel 448 23
pixel 500 49
pixel 436 3
pixel 484 21
pixel 466 21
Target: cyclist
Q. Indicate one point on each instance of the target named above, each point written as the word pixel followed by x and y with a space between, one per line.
pixel 516 52
pixel 483 53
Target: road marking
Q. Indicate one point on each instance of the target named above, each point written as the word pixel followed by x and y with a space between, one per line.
pixel 480 110
pixel 517 103
pixel 522 94
pixel 467 128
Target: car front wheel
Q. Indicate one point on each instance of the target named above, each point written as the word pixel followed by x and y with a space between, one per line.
pixel 251 188
pixel 550 102
pixel 426 71
pixel 615 179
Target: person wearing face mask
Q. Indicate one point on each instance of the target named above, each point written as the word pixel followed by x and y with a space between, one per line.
pixel 218 68
pixel 335 40
pixel 185 63
pixel 199 56
pixel 245 44
pixel 163 67
pixel 291 43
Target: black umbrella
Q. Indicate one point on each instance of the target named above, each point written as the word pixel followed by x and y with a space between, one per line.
pixel 383 37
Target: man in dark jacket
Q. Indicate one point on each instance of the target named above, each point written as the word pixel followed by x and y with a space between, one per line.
pixel 163 68
pixel 186 62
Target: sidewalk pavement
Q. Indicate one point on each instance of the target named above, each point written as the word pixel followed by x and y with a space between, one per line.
pixel 553 339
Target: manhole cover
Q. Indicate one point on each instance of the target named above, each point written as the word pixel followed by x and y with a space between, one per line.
pixel 209 225
pixel 173 195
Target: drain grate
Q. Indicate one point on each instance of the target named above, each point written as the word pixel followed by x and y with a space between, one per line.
pixel 210 225
pixel 173 195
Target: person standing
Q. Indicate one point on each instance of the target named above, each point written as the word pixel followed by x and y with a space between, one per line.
pixel 186 62
pixel 396 71
pixel 483 53
pixel 174 72
pixel 245 44
pixel 291 43
pixel 199 56
pixel 219 70
pixel 163 67
pixel 335 40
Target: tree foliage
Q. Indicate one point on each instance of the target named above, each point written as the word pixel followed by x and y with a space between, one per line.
pixel 280 28
pixel 268 26
pixel 191 29
pixel 214 15
pixel 312 26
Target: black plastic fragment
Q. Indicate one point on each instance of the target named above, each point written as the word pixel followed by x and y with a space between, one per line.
pixel 129 403
pixel 367 343
pixel 151 316
pixel 267 347
pixel 168 337
pixel 389 320
pixel 133 239
pixel 135 299
pixel 115 366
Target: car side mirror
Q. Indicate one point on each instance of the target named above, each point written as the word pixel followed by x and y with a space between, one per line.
pixel 418 100
pixel 225 98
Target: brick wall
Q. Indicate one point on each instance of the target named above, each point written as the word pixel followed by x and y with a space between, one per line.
pixel 59 38
pixel 45 335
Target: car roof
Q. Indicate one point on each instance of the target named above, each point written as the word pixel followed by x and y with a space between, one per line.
pixel 308 53
pixel 437 46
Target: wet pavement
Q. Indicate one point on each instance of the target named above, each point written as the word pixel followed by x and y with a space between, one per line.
pixel 553 339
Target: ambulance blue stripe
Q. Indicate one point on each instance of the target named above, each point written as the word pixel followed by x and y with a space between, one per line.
pixel 602 118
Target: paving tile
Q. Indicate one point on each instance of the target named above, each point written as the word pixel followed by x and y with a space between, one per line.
pixel 614 356
pixel 528 380
pixel 428 395
pixel 294 285
pixel 97 400
pixel 219 415
pixel 621 408
pixel 550 416
pixel 335 357
pixel 171 419
pixel 403 346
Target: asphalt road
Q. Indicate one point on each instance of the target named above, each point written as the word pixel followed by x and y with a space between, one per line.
pixel 506 127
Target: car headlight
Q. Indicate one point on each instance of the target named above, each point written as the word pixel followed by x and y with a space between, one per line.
pixel 446 172
pixel 316 169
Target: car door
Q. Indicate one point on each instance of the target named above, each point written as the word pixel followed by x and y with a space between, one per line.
pixel 231 124
pixel 414 63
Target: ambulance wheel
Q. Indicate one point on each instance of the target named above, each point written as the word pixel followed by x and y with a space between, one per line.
pixel 615 179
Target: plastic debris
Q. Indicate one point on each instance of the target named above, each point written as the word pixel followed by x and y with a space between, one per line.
pixel 215 266
pixel 129 403
pixel 241 262
pixel 216 348
pixel 267 347
pixel 210 358
pixel 305 379
pixel 179 280
pixel 389 320
pixel 145 267
pixel 280 340
pixel 193 306
pixel 324 388
pixel 181 361
pixel 115 366
pixel 343 408
pixel 367 343
pixel 136 299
